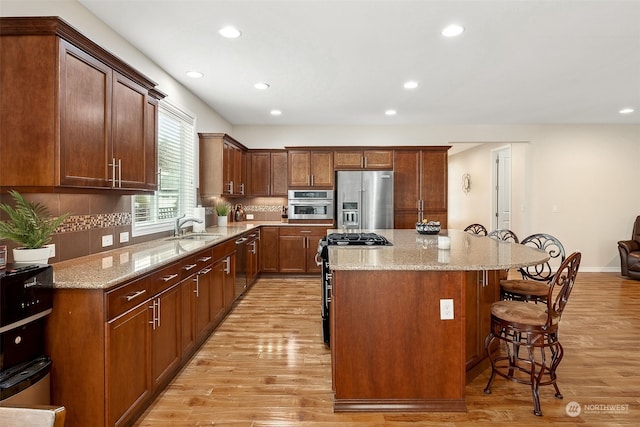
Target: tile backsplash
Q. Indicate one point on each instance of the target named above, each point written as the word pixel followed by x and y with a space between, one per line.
pixel 93 216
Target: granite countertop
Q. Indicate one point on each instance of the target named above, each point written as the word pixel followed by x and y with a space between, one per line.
pixel 107 269
pixel 413 251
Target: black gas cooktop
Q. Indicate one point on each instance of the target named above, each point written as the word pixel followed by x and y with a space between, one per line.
pixel 364 239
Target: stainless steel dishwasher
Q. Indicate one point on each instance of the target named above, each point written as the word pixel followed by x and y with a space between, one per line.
pixel 241 265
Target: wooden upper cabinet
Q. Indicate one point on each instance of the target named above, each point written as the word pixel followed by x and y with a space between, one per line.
pixel 363 159
pixel 73 114
pixel 420 186
pixel 267 173
pixel 310 168
pixel 222 165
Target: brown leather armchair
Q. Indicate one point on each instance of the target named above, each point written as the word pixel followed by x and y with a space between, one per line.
pixel 630 253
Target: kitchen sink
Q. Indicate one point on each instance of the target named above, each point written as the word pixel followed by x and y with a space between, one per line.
pixel 197 236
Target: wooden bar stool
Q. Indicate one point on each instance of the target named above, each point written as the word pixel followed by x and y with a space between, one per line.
pixel 530 350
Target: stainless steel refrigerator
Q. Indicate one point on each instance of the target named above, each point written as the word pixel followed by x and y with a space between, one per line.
pixel 364 199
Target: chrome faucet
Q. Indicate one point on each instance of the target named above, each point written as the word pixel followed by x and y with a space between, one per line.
pixel 181 221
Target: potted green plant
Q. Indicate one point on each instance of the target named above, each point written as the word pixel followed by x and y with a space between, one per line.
pixel 222 209
pixel 30 225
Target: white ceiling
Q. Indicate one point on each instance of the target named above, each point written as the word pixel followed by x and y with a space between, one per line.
pixel 344 62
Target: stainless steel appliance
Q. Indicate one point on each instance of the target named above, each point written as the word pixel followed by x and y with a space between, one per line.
pixel 26 298
pixel 311 204
pixel 364 199
pixel 322 259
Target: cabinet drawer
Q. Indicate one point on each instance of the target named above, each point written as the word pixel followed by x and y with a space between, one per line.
pixel 303 231
pixel 127 296
pixel 204 259
pixel 224 249
pixel 164 278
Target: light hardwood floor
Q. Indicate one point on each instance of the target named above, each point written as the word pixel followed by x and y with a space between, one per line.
pixel 266 365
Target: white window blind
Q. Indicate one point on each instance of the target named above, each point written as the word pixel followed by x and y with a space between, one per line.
pixel 176 193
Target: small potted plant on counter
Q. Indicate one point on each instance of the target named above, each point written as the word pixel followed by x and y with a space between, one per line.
pixel 30 225
pixel 223 209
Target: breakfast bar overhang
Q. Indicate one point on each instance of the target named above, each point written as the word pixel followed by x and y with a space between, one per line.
pixel 395 344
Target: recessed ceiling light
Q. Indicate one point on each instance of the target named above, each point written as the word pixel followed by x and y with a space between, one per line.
pixel 276 112
pixel 626 111
pixel 261 85
pixel 452 30
pixel 194 74
pixel 229 32
pixel 411 85
pixel 390 112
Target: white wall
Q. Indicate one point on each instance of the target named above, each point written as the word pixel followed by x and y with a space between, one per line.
pixel 589 172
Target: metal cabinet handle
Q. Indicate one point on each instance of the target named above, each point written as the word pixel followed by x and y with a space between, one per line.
pixel 119 172
pixel 197 289
pixel 227 268
pixel 135 294
pixel 169 277
pixel 204 271
pixel 189 267
pixel 204 259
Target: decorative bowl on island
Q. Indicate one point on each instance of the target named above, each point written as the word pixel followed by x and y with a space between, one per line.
pixel 428 227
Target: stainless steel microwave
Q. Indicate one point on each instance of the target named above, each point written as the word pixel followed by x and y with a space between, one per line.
pixel 311 204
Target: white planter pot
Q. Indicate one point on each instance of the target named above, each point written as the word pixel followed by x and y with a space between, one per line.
pixel 222 221
pixel 32 256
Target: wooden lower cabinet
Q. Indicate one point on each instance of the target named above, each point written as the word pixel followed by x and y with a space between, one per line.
pixel 115 350
pixel 166 323
pixel 269 249
pixel 127 367
pixel 297 248
pixel 482 288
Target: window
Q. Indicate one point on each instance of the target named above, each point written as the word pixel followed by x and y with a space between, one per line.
pixel 176 194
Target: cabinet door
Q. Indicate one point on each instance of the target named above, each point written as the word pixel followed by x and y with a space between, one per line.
pixel 269 249
pixel 482 288
pixel 279 174
pixel 321 168
pixel 227 168
pixel 406 179
pixel 128 132
pixel 293 255
pixel 345 160
pixel 151 145
pixel 434 180
pixel 202 301
pixel 378 159
pixel 128 365
pixel 312 249
pixel 85 118
pixel 299 169
pixel 217 291
pixel 166 318
pixel 260 171
pixel 187 305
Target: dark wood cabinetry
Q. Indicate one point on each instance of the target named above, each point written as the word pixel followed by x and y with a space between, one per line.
pixel 269 249
pixel 308 168
pixel 363 159
pixel 222 165
pixel 297 248
pixel 420 186
pixel 267 173
pixel 116 350
pixel 482 288
pixel 92 124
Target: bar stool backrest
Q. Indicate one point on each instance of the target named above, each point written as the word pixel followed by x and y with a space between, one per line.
pixel 551 245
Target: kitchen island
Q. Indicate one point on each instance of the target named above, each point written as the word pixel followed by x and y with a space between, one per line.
pixel 408 321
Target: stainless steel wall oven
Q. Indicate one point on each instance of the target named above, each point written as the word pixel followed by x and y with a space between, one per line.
pixel 311 204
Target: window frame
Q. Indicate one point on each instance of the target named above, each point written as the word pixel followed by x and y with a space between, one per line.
pixel 162 225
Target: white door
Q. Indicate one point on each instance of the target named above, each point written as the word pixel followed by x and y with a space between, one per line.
pixel 502 186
